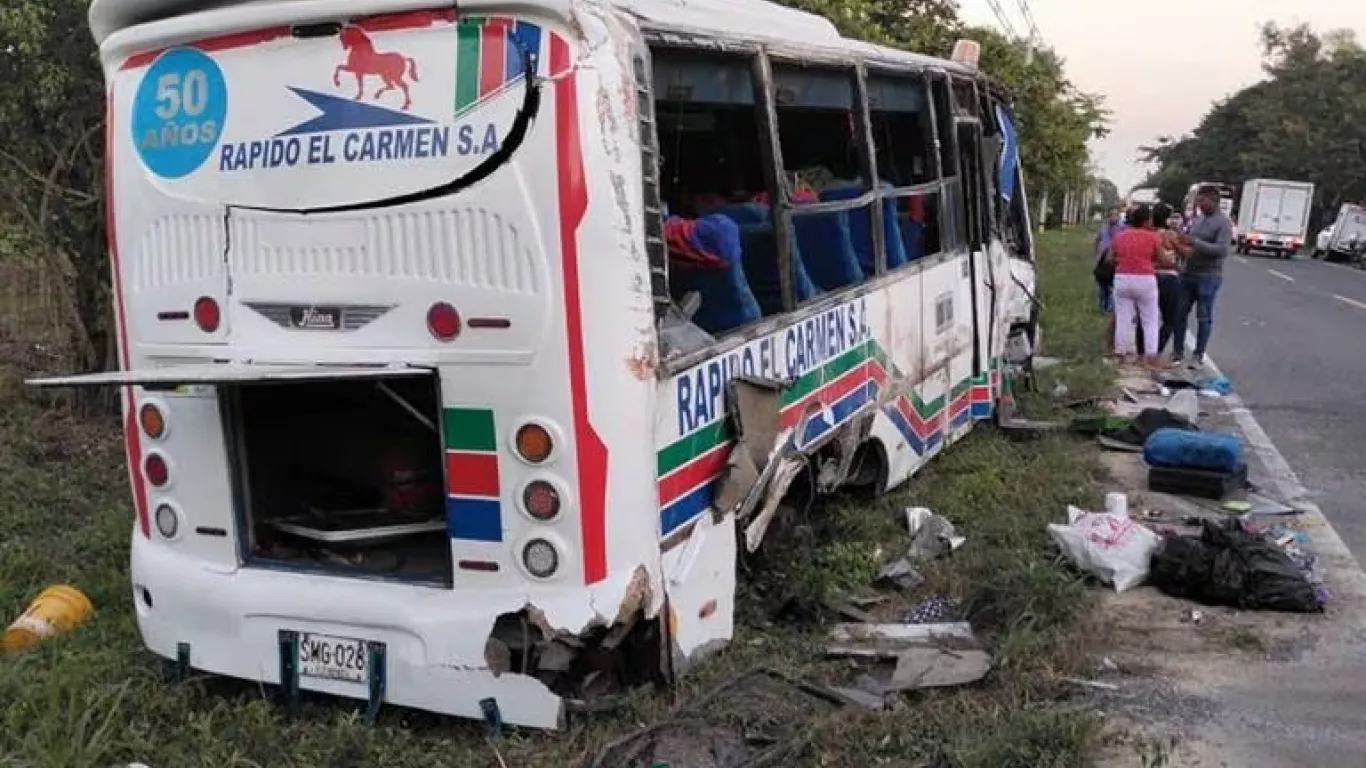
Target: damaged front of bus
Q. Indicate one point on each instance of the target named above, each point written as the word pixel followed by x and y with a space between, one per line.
pixel 368 438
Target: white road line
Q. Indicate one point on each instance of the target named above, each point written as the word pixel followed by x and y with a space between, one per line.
pixel 1282 275
pixel 1350 302
pixel 1241 259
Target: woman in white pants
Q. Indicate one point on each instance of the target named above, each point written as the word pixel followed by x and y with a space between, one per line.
pixel 1137 250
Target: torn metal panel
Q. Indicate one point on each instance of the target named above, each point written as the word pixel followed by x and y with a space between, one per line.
pixel 700 580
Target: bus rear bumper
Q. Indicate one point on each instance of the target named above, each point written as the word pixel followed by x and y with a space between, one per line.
pixel 433 640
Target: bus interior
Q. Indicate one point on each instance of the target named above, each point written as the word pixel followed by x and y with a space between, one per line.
pixel 341 476
pixel 716 181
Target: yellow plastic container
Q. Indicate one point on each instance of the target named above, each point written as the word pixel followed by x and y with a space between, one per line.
pixel 55 611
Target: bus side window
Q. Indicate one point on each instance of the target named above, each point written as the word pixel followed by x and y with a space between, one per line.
pixel 822 155
pixel 903 135
pixel 711 183
pixel 954 221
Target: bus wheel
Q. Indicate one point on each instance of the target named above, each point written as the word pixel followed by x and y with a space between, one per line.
pixel 868 476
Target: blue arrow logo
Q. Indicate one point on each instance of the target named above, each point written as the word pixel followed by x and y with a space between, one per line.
pixel 342 114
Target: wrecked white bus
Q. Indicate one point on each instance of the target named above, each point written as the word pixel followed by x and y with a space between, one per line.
pixel 437 325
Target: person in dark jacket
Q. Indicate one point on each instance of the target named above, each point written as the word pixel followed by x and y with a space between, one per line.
pixel 1204 248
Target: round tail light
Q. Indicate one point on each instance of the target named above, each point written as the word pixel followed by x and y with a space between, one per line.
pixel 157 471
pixel 168 522
pixel 443 322
pixel 541 500
pixel 540 558
pixel 152 420
pixel 534 443
pixel 207 315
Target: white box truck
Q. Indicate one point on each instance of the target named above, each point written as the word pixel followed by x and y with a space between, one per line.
pixel 1273 215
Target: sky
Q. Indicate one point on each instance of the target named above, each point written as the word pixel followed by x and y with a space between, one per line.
pixel 1160 70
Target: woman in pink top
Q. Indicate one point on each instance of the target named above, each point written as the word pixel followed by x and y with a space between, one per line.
pixel 1137 250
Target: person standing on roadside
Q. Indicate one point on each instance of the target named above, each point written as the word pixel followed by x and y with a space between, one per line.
pixel 1137 250
pixel 1168 223
pixel 1103 274
pixel 1204 247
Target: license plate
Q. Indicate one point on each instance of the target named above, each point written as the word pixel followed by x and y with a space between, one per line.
pixel 327 657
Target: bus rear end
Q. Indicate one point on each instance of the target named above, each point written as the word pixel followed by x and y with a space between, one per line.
pixel 344 241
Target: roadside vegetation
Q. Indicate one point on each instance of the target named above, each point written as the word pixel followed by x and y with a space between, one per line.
pixel 97 699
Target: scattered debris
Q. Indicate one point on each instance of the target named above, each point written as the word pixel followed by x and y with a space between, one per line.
pixel 1110 547
pixel 900 575
pixel 1060 390
pixel 55 611
pixel 1230 565
pixel 931 535
pixel 938 667
pixel 933 611
pixel 924 655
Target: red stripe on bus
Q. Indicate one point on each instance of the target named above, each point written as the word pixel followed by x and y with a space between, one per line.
pixel 573 195
pixel 213 45
pixel 493 56
pixel 472 474
pixel 689 476
pixel 131 441
pixel 828 395
pixel 388 22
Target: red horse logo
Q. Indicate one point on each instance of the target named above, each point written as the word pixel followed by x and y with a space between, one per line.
pixel 363 60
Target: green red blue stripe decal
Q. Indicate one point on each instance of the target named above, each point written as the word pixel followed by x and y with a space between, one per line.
pixel 830 396
pixel 474 510
pixel 488 57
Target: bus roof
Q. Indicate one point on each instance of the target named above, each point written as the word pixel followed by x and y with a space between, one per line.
pixel 736 20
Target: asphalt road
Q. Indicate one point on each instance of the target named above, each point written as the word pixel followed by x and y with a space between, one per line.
pixel 1292 337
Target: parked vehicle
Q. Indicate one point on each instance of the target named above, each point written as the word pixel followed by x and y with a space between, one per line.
pixel 428 402
pixel 1321 241
pixel 1274 216
pixel 1144 196
pixel 1348 239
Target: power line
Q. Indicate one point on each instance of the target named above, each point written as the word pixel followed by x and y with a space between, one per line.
pixel 1003 19
pixel 1035 37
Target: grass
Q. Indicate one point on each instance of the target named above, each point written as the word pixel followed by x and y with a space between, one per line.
pixel 96 699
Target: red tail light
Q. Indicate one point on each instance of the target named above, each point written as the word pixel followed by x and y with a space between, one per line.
pixel 206 314
pixel 156 470
pixel 443 322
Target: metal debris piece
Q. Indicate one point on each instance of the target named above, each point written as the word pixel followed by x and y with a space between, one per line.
pixel 938 667
pixel 931 535
pixel 901 575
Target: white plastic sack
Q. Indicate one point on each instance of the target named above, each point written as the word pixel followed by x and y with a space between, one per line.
pixel 1110 547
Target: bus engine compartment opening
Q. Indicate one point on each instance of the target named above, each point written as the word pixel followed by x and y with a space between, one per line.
pixel 343 477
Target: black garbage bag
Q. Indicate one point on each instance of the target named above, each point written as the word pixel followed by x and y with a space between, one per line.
pixel 1227 565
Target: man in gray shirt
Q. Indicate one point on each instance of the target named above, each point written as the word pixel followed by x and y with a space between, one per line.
pixel 1204 247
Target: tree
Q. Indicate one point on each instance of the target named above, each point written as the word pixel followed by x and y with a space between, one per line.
pixel 1108 193
pixel 51 163
pixel 1306 121
pixel 1055 120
